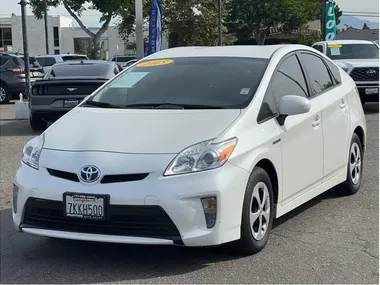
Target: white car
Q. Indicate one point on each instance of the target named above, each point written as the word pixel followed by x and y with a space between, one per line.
pixel 360 59
pixel 195 146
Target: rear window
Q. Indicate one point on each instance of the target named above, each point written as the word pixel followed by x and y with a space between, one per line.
pixel 123 58
pixel 3 60
pixel 18 61
pixel 74 57
pixel 74 70
pixel 212 81
pixel 46 61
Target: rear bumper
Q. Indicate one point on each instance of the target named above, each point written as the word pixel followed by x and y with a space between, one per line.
pixel 362 87
pixel 16 88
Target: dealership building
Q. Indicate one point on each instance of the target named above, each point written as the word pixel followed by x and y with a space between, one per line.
pixel 63 37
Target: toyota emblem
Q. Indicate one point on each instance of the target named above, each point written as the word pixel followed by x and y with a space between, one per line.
pixel 89 174
pixel 371 72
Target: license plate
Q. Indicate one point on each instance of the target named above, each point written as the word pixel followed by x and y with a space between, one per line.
pixel 369 91
pixel 84 206
pixel 71 103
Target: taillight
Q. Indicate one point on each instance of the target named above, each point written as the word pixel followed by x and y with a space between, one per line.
pixel 16 70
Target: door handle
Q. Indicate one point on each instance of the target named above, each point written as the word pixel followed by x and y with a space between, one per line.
pixel 317 121
pixel 344 104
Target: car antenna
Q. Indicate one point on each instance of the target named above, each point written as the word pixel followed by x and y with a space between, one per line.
pixel 17 51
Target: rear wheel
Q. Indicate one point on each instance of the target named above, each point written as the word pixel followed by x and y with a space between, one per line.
pixel 4 94
pixel 37 123
pixel 354 169
pixel 258 213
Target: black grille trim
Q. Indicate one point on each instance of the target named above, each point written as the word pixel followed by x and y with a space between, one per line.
pixel 123 178
pixel 63 174
pixel 107 179
pixel 360 74
pixel 135 221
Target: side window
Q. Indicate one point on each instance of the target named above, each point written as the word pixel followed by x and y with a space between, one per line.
pixel 320 79
pixel 334 70
pixel 319 48
pixel 288 80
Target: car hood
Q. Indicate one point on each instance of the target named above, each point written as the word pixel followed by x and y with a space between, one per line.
pixel 351 63
pixel 136 131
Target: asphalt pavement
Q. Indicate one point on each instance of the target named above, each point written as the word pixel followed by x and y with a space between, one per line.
pixel 328 240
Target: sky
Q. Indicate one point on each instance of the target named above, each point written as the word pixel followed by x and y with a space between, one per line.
pixel 92 17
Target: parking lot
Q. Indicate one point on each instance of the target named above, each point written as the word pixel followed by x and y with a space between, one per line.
pixel 328 240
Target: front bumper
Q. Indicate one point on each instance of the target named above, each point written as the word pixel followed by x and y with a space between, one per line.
pixel 362 87
pixel 155 210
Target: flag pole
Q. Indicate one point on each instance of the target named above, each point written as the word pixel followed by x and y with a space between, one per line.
pixel 139 29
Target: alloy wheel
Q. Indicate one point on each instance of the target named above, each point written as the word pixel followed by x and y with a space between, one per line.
pixel 260 211
pixel 355 163
pixel 3 94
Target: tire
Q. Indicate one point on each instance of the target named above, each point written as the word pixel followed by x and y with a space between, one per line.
pixel 354 169
pixel 4 94
pixel 37 123
pixel 253 241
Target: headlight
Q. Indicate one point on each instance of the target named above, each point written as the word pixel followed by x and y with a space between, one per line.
pixel 202 156
pixel 32 151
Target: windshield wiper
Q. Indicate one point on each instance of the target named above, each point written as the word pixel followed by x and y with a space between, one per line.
pixel 172 106
pixel 101 104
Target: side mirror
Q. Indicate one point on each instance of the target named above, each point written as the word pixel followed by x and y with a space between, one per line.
pixel 291 105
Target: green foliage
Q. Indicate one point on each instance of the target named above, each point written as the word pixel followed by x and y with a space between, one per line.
pixel 248 17
pixel 308 38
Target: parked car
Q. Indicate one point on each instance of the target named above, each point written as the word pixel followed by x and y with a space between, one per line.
pixel 195 146
pixel 12 77
pixel 129 63
pixel 64 86
pixel 48 60
pixel 123 59
pixel 360 59
pixel 36 70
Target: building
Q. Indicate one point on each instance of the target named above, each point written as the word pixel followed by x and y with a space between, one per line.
pixel 63 37
pixel 358 34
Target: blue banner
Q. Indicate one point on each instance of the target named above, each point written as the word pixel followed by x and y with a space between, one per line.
pixel 155 27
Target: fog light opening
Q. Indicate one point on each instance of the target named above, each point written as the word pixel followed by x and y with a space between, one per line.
pixel 209 209
pixel 14 198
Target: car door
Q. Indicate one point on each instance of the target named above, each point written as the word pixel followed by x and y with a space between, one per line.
pixel 326 84
pixel 301 135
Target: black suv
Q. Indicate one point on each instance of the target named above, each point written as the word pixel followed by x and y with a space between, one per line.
pixel 12 77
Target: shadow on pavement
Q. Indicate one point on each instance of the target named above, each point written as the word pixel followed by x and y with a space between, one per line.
pixel 32 259
pixel 17 128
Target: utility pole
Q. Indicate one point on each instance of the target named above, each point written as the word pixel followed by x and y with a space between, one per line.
pixel 220 22
pixel 139 29
pixel 46 27
pixel 25 44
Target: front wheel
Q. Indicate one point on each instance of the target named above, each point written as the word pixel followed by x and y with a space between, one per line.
pixel 258 212
pixel 354 169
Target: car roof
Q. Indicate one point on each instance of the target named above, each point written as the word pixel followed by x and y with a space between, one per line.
pixel 250 51
pixel 348 42
pixel 60 55
pixel 85 62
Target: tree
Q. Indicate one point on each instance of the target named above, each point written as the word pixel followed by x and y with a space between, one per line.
pixel 365 26
pixel 257 17
pixel 75 8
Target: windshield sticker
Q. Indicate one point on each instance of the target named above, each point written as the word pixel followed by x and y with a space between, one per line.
pixel 155 62
pixel 335 51
pixel 245 91
pixel 335 45
pixel 128 80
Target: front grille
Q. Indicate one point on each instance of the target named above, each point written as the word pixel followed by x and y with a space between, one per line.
pixel 136 221
pixel 118 178
pixel 365 74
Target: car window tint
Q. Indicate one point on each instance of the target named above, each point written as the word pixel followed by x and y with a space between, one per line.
pixel 74 57
pixel 334 70
pixel 46 61
pixel 18 61
pixel 3 61
pixel 319 48
pixel 77 69
pixel 320 79
pixel 288 80
pixel 226 82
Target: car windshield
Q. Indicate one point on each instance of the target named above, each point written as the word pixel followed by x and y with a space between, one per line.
pixel 123 58
pixel 79 70
pixel 353 51
pixel 211 82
